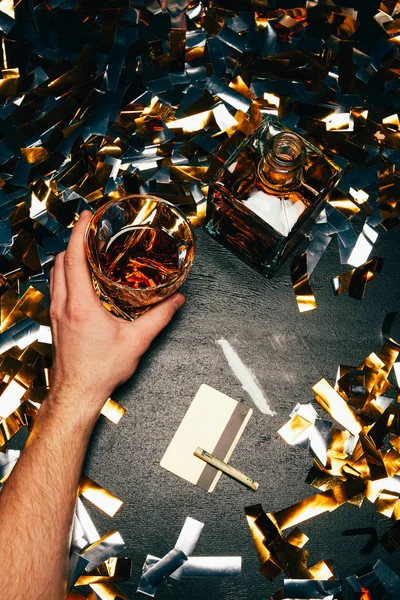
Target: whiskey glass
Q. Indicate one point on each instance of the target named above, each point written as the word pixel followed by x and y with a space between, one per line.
pixel 140 250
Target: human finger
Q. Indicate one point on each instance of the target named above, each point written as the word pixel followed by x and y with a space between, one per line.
pixel 77 272
pixel 59 286
pixel 151 323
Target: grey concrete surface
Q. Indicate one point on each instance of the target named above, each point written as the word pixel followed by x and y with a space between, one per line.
pixel 288 352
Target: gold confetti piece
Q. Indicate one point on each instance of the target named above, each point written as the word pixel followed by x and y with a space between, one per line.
pixel 279 595
pixel 201 208
pixel 268 566
pixel 321 480
pixel 301 284
pixel 258 539
pixel 354 282
pixel 10 73
pixel 113 411
pixel 9 83
pixel 322 570
pixel 108 591
pixel 113 569
pixel 375 488
pixel 98 496
pixel 14 309
pixel 392 121
pixel 102 549
pixel 239 85
pixel 312 589
pixel 374 363
pixel 396 511
pixel 272 100
pixel 284 555
pixel 10 315
pixel 318 504
pixel 386 503
pixel 388 356
pixel 33 156
pixel 338 122
pixel 360 116
pixel 359 196
pixel 73 150
pixel 336 407
pixel 392 27
pixel 343 204
pixel 7 7
pixel 395 442
pixel 361 463
pixel 193 123
pixel 337 443
pixel 8 460
pixel 11 398
pixel 73 595
pixel 184 173
pixel 30 306
pixel 299 539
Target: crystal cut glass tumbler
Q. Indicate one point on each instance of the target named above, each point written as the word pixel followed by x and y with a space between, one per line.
pixel 140 250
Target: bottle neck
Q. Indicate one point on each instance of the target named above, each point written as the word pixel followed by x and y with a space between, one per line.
pixel 282 164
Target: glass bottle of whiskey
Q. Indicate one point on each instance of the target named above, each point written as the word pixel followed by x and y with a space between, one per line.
pixel 265 198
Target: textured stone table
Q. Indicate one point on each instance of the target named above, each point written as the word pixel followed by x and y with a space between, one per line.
pixel 288 352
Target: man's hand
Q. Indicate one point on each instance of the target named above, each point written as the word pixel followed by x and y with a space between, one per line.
pixel 94 350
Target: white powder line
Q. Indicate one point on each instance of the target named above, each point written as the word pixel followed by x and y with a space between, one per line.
pixel 246 378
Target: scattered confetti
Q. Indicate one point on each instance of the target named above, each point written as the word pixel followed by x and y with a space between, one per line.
pixel 178 562
pixel 99 101
pixel 356 456
pixel 246 378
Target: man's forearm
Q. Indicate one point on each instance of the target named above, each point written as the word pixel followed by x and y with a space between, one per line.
pixel 95 351
pixel 37 505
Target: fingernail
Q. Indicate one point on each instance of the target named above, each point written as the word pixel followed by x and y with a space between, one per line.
pixel 178 300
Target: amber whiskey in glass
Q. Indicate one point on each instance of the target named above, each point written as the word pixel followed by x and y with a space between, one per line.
pixel 265 198
pixel 140 250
